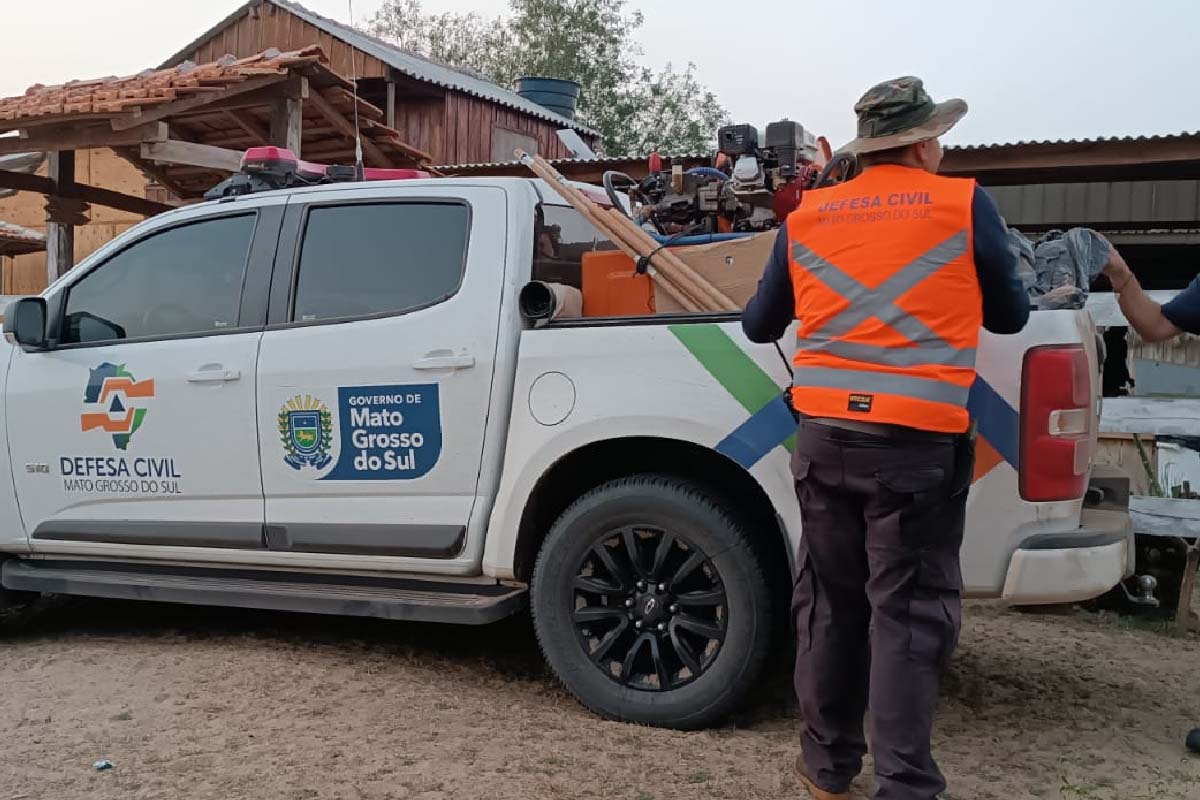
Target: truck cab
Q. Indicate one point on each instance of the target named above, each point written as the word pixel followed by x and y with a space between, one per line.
pixel 326 400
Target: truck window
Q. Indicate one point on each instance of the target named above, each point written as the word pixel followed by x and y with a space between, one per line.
pixel 179 281
pixel 363 259
pixel 562 236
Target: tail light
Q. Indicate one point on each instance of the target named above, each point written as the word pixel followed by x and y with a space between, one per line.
pixel 1057 419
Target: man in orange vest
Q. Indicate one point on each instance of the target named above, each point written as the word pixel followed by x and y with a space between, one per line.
pixel 891 275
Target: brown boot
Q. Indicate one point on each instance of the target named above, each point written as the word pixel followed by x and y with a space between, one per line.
pixel 816 791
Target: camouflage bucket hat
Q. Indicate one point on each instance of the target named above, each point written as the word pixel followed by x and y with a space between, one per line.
pixel 900 112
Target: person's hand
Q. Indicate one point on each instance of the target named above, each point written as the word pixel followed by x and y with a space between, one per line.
pixel 1116 270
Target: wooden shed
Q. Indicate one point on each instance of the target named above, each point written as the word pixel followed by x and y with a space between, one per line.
pixel 453 115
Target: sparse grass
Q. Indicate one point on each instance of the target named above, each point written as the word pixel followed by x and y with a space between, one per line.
pixel 124 716
pixel 699 777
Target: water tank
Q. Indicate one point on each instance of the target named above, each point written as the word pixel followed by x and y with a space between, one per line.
pixel 553 94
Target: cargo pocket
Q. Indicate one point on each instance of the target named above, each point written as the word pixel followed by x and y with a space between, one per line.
pixel 911 479
pixel 804 599
pixel 935 608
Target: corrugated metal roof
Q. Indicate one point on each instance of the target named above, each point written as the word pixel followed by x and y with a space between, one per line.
pixel 410 64
pixel 1168 137
pixel 604 161
pixel 424 69
pixel 616 160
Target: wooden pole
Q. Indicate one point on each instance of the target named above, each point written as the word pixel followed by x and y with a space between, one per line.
pixel 389 112
pixel 590 212
pixel 1183 612
pixel 717 299
pixel 287 118
pixel 60 237
pixel 668 263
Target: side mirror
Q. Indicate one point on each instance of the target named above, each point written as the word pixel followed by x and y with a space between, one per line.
pixel 25 322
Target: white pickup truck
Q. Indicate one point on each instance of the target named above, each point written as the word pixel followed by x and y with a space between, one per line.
pixel 326 400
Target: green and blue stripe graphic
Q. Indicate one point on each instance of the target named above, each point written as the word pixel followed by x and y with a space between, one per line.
pixel 771 423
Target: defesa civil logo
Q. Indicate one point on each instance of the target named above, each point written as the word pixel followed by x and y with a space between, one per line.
pixel 115 400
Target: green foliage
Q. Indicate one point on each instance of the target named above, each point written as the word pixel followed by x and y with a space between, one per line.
pixel 637 109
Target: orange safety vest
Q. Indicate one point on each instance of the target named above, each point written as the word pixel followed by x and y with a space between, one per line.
pixel 883 271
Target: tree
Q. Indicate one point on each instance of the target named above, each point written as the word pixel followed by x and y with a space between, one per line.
pixel 635 108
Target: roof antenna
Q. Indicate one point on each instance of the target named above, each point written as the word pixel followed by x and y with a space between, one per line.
pixel 359 172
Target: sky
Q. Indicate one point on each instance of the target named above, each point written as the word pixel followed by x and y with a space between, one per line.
pixel 1029 69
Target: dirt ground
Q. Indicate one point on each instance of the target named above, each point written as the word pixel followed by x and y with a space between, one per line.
pixel 202 703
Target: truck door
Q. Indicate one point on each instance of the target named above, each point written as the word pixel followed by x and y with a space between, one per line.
pixel 135 433
pixel 375 374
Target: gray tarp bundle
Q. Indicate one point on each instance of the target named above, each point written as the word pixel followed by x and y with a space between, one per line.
pixel 1060 267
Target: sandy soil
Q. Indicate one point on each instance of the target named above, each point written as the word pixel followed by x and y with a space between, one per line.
pixel 201 703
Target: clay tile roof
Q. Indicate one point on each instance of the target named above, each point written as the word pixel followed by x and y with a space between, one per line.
pixel 177 95
pixel 151 87
pixel 15 240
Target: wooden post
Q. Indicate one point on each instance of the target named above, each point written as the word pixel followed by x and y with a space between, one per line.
pixel 389 114
pixel 60 238
pixel 1183 612
pixel 287 118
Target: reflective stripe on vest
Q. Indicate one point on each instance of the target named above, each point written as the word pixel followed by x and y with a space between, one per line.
pixel 879 303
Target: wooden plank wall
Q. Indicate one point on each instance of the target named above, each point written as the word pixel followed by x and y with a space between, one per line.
pixel 269 26
pixel 454 129
pixel 468 131
pixel 27 274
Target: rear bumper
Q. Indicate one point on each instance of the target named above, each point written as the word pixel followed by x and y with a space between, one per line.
pixel 1069 567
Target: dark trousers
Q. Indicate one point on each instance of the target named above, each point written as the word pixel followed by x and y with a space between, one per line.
pixel 877 599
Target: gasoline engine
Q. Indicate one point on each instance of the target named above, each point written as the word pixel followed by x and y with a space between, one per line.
pixel 750 186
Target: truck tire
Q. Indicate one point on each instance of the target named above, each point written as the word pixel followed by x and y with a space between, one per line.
pixel 651 605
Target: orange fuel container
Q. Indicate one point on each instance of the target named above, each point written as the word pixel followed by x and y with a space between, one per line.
pixel 612 287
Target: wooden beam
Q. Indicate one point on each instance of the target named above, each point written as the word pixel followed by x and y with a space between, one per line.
pixel 24 182
pixel 196 155
pixel 389 113
pixel 287 124
pixel 256 132
pixel 77 138
pixel 287 117
pixel 340 122
pixel 60 239
pixel 152 171
pixel 164 110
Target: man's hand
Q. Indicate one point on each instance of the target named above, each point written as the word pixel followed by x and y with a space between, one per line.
pixel 1143 314
pixel 1116 270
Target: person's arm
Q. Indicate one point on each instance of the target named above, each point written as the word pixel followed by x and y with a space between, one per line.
pixel 1005 302
pixel 773 307
pixel 1144 315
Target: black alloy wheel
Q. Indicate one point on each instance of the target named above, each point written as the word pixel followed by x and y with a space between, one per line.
pixel 650 608
pixel 650 603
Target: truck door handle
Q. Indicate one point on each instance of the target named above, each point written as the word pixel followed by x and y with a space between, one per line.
pixel 213 373
pixel 444 359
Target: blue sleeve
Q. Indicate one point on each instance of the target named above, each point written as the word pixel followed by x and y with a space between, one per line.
pixel 1005 303
pixel 1184 310
pixel 773 307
